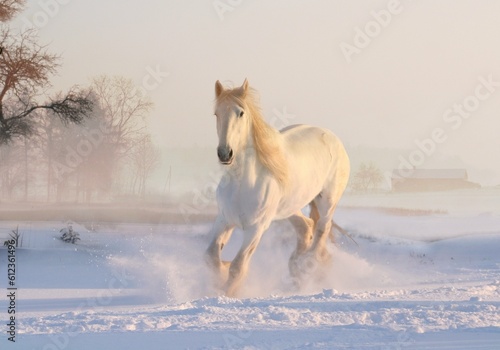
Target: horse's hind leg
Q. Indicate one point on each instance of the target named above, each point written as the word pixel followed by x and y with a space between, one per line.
pixel 326 204
pixel 314 214
pixel 304 227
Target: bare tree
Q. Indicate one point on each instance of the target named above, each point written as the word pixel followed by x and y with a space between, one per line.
pixel 96 171
pixel 11 169
pixel 78 159
pixel 145 159
pixel 49 138
pixel 25 69
pixel 125 109
pixel 9 8
pixel 28 160
pixel 367 177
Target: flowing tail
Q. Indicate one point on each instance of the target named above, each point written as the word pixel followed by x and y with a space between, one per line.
pixel 341 230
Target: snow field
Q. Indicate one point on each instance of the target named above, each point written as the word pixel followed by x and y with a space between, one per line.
pixel 411 282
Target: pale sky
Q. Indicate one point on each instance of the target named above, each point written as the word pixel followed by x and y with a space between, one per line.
pixel 424 59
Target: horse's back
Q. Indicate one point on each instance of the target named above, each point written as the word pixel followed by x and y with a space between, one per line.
pixel 309 133
pixel 318 161
pixel 307 140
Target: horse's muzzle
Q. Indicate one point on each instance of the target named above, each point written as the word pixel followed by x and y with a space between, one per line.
pixel 225 155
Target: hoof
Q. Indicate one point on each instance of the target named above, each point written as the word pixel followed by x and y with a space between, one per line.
pixel 302 265
pixel 220 273
pixel 309 266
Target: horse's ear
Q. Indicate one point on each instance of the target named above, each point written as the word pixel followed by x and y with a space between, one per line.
pixel 244 87
pixel 218 88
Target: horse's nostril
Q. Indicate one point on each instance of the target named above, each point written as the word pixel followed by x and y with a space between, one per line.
pixel 225 154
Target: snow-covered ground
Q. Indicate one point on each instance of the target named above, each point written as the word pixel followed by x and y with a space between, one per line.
pixel 415 279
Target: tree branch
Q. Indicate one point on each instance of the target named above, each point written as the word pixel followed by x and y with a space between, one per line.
pixel 74 108
pixel 9 8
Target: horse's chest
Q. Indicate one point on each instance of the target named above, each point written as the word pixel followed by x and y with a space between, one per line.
pixel 244 205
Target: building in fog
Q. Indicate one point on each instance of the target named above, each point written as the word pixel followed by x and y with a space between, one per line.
pixel 421 180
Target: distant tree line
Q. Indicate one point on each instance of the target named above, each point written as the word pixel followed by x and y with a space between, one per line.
pixel 84 144
pixel 366 178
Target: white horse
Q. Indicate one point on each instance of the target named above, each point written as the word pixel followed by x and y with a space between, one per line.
pixel 271 175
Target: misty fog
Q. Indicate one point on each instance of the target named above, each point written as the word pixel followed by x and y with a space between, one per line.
pixel 403 84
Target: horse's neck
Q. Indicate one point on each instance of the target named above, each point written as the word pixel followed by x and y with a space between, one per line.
pixel 246 162
pixel 247 166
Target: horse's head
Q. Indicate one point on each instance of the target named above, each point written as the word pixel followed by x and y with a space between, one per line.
pixel 233 125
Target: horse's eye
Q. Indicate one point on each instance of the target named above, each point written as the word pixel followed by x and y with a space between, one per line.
pixel 241 113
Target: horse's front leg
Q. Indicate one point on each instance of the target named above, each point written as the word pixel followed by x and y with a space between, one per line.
pixel 221 232
pixel 239 266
